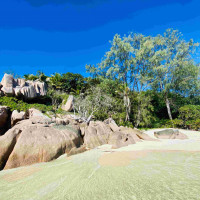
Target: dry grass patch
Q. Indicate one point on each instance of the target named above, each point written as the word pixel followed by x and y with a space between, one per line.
pixel 21 173
pixel 120 158
pixel 124 158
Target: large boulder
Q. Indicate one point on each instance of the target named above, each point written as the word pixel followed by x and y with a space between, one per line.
pixel 4 119
pixel 170 134
pixel 7 83
pixel 17 91
pixel 132 132
pixel 40 87
pixel 20 82
pixel 76 150
pixel 68 106
pixel 99 133
pixel 36 116
pixel 112 124
pixel 27 143
pixel 17 116
pixel 7 144
pixel 143 136
pixel 120 139
pixel 96 134
pixel 28 92
pixel 17 87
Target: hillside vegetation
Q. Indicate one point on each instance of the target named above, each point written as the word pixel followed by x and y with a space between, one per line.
pixel 142 81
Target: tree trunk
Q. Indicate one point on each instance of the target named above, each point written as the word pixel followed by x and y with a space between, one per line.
pixel 127 115
pixel 89 118
pixel 138 116
pixel 127 104
pixel 168 107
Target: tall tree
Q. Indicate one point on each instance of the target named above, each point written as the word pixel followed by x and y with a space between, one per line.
pixel 116 64
pixel 173 69
pixel 140 70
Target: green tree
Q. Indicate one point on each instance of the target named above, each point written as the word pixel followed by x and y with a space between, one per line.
pixel 72 82
pixel 93 101
pixel 116 64
pixel 56 81
pixel 140 72
pixel 173 69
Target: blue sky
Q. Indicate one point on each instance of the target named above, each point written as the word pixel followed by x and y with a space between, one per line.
pixel 65 35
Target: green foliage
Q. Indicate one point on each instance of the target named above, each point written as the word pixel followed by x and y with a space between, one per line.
pixel 68 82
pixel 189 112
pixel 142 81
pixel 94 101
pixel 41 107
pixel 57 97
pixel 173 69
pixel 60 111
pixel 126 124
pixel 163 63
pixel 119 117
pixel 19 105
pixel 101 115
pixel 188 118
pixel 196 124
pixel 39 76
pixel 13 103
pixel 142 109
pixel 190 115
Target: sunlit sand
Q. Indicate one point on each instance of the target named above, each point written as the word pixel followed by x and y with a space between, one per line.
pixel 157 170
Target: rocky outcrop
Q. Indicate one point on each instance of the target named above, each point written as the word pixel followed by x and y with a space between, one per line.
pixel 96 134
pixel 4 119
pixel 68 106
pixel 170 134
pixel 142 135
pixel 112 124
pixel 75 150
pixel 17 116
pixel 7 84
pixel 99 133
pixel 7 144
pixel 27 143
pixel 17 87
pixel 120 139
pixel 60 121
pixel 36 116
pixel 133 133
pixel 41 139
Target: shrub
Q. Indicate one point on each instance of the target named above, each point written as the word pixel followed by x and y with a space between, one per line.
pixel 190 116
pixel 41 107
pixel 19 105
pixel 196 125
pixel 13 103
pixel 189 112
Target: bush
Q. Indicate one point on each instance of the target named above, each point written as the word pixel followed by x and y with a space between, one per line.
pixel 192 124
pixel 41 107
pixel 13 103
pixel 196 124
pixel 19 105
pixel 189 112
pixel 62 112
pixel 190 116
